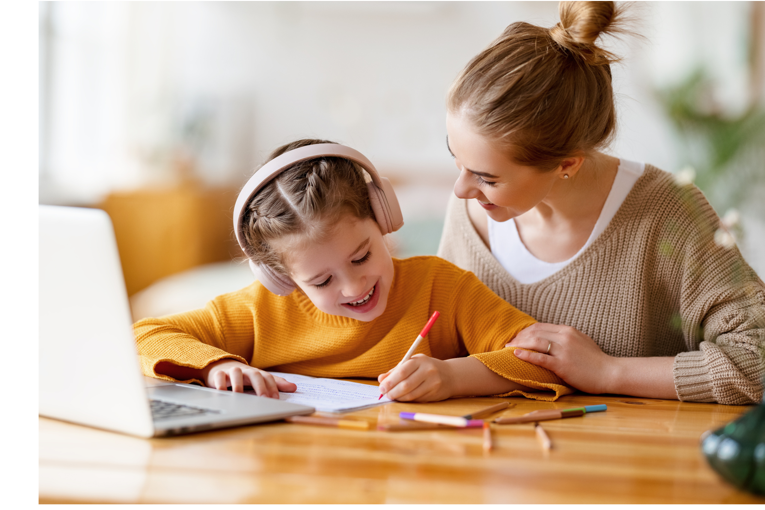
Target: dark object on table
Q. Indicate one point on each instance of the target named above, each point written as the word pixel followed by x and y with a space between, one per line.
pixel 737 451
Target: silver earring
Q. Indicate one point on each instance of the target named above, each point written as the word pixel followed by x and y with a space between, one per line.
pixel 565 176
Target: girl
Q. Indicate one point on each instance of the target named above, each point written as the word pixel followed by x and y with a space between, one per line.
pixel 615 250
pixel 313 230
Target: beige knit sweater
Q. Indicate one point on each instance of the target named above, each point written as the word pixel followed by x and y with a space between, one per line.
pixel 654 283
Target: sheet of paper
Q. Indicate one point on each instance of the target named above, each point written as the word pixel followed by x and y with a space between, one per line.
pixel 330 395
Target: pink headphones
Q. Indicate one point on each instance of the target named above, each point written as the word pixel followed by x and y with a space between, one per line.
pixel 384 202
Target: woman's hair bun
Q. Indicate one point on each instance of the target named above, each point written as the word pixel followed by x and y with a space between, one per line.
pixel 581 23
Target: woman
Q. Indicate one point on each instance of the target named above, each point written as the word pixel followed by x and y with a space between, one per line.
pixel 615 250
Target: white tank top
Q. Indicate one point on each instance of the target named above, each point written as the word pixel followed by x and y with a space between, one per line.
pixel 509 250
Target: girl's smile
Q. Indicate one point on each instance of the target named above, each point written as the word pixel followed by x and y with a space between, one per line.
pixel 365 304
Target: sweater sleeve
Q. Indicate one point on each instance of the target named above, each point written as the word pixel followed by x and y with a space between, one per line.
pixel 224 328
pixel 722 314
pixel 485 323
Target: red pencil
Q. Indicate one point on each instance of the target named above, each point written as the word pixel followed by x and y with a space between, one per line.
pixel 422 335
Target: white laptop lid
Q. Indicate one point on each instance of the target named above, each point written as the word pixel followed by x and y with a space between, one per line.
pixel 83 306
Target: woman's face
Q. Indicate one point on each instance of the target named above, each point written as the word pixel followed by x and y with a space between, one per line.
pixel 503 188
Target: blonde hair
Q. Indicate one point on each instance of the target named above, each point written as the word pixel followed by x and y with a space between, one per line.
pixel 544 94
pixel 306 199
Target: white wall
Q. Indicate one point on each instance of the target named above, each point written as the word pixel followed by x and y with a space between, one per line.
pixel 370 74
pixel 373 75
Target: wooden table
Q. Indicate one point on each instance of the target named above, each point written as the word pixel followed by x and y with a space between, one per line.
pixel 639 451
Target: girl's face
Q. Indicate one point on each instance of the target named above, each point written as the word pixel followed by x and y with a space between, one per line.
pixel 504 188
pixel 348 274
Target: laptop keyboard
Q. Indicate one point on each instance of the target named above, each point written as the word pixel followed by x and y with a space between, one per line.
pixel 161 410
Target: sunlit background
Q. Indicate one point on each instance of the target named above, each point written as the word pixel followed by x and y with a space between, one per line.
pixel 158 112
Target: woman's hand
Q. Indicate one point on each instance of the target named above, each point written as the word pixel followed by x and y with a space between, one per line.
pixel 227 372
pixel 420 378
pixel 572 356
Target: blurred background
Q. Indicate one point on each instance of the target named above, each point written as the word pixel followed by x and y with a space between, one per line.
pixel 158 112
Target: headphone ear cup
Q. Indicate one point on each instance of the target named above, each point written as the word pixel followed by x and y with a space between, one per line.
pixel 273 281
pixel 385 206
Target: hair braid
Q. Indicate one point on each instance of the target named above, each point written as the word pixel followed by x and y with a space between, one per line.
pixel 306 199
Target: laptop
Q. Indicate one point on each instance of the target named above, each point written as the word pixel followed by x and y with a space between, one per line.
pixel 89 367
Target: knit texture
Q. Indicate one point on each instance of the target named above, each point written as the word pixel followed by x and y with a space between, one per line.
pixel 654 283
pixel 289 334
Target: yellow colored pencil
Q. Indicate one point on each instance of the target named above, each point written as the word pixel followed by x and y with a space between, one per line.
pixel 329 422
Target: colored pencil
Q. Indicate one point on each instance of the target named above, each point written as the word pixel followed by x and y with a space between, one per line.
pixel 454 421
pixel 418 425
pixel 417 341
pixel 407 425
pixel 487 411
pixel 542 415
pixel 590 409
pixel 487 443
pixel 544 439
pixel 329 422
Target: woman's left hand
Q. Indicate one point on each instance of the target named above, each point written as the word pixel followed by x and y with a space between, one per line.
pixel 570 354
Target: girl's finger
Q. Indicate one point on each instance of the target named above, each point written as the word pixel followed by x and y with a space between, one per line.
pixel 407 390
pixel 397 375
pixel 415 386
pixel 428 388
pixel 283 384
pixel 235 375
pixel 273 391
pixel 258 384
pixel 219 380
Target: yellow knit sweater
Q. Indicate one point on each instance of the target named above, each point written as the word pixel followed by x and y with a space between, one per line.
pixel 289 334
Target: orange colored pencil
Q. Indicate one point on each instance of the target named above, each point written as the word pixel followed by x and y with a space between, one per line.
pixel 487 442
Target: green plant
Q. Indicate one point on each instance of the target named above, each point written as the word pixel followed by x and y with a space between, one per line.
pixel 727 152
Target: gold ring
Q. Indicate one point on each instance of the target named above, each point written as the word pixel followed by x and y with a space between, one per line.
pixel 549 344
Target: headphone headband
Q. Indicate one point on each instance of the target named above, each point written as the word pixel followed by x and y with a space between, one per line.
pixel 381 195
pixel 267 172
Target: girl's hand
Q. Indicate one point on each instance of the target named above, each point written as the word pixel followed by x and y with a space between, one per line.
pixel 227 372
pixel 572 355
pixel 420 378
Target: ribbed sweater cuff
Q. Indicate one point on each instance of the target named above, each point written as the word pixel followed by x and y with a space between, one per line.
pixel 506 364
pixel 150 366
pixel 693 381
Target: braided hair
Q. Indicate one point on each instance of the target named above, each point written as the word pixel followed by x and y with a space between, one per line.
pixel 306 199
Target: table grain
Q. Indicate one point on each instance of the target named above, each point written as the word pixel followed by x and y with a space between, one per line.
pixel 639 451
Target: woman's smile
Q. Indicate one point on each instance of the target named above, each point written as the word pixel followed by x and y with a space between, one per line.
pixel 486 205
